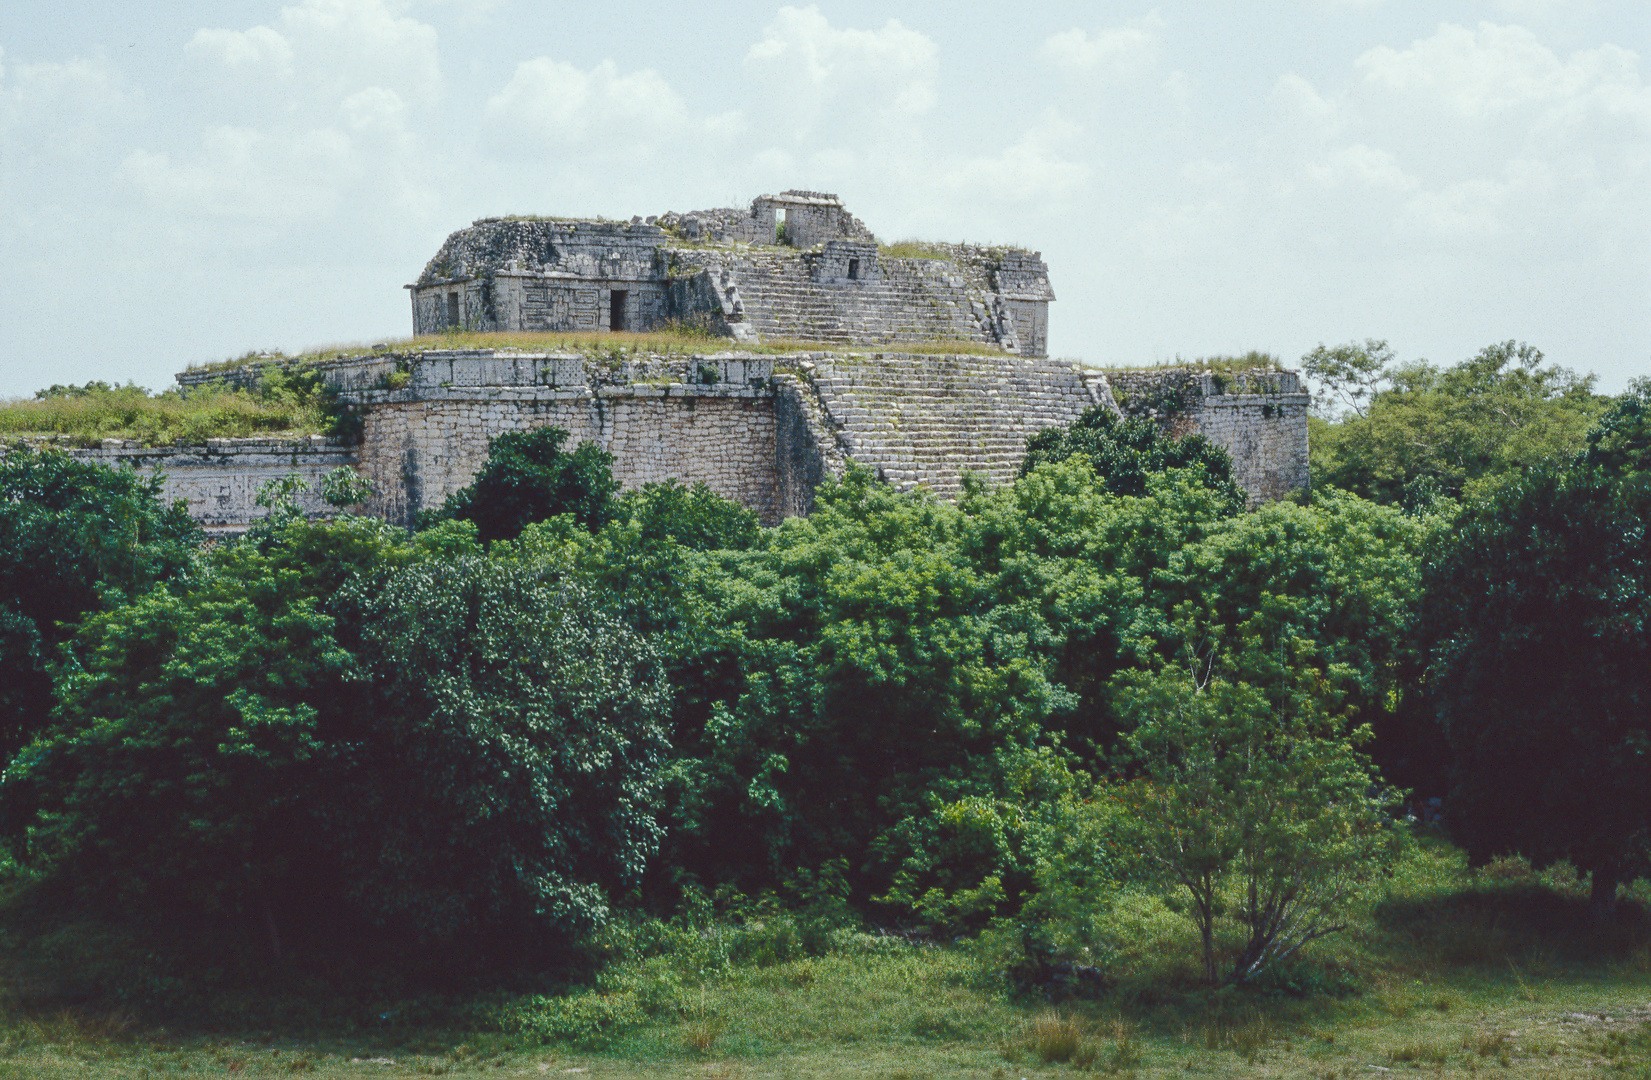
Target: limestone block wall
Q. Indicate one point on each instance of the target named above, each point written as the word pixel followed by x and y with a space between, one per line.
pixel 219 481
pixel 1261 420
pixel 811 217
pixel 518 274
pixel 1258 417
pixel 709 420
pixel 762 430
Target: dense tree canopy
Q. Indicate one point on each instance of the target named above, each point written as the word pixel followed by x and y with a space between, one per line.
pixel 1538 604
pixel 336 725
pixel 528 477
pixel 1418 430
pixel 555 695
pixel 74 538
pixel 1126 452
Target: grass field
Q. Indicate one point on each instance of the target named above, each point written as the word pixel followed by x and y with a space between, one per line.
pixel 1502 972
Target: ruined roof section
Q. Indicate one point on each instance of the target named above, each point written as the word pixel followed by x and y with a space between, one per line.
pixel 755 224
pixel 490 245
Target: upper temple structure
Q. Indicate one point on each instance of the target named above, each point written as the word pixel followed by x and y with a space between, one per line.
pixel 926 364
pixel 795 266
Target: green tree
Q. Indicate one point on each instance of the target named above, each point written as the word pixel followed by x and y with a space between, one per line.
pixel 1350 375
pixel 507 751
pixel 1253 809
pixel 337 727
pixel 1417 430
pixel 639 559
pixel 1537 606
pixel 1342 577
pixel 74 538
pixel 854 663
pixel 1125 452
pixel 528 477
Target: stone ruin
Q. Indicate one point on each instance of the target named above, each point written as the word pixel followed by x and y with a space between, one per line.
pixel 763 428
pixel 795 266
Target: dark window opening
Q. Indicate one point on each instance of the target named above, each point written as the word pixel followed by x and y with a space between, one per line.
pixel 452 309
pixel 616 309
pixel 853 269
pixel 487 301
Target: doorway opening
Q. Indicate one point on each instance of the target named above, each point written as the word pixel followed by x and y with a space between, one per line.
pixel 616 309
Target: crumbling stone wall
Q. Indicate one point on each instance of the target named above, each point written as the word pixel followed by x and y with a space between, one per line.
pixel 823 278
pixel 543 274
pixel 809 218
pixel 219 481
pixel 1259 417
pixel 708 420
pixel 761 430
pixel 765 431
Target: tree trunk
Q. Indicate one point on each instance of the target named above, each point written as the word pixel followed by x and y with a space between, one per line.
pixel 269 925
pixel 1602 894
pixel 1209 953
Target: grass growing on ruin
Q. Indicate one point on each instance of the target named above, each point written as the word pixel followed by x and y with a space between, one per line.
pixel 615 346
pixel 1457 973
pixel 914 249
pixel 1219 364
pixel 84 416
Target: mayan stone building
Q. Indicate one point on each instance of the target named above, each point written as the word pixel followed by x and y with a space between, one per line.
pixel 795 266
pixel 756 421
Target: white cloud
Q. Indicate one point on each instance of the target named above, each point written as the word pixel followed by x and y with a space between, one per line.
pixel 258 47
pixel 374 108
pixel 1479 74
pixel 825 81
pixel 296 119
pixel 1117 53
pixel 60 111
pixel 326 48
pixel 1041 167
pixel 245 173
pixel 1305 107
pixel 552 101
pixel 1362 166
pixel 1480 134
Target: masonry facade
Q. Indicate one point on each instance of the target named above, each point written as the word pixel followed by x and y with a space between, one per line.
pixel 794 266
pixel 762 430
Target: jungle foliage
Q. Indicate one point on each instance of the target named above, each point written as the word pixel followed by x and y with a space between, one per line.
pixel 1408 432
pixel 1537 608
pixel 556 704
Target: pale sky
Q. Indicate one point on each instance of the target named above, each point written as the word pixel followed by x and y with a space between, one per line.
pixel 183 182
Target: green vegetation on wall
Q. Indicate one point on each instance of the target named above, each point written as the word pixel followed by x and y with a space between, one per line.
pixel 284 401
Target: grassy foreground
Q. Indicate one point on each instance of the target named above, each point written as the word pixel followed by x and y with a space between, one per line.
pixel 1448 973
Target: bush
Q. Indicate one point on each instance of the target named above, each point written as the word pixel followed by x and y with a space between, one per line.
pixel 451 751
pixel 527 478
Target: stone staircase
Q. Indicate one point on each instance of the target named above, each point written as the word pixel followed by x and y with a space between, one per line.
pixel 923 420
pixel 782 301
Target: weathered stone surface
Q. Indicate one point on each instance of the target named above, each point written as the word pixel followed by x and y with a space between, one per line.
pixel 818 274
pixel 220 480
pixel 762 430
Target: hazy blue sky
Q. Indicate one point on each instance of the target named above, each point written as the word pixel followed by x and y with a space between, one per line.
pixel 184 182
